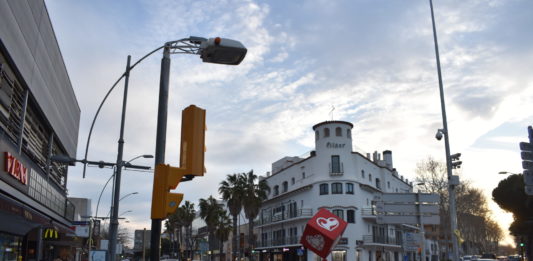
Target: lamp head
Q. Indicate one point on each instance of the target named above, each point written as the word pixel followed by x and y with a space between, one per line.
pixel 222 51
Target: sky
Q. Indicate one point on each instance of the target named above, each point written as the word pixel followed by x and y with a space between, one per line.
pixel 373 61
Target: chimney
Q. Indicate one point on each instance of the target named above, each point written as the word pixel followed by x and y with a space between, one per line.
pixel 387 157
pixel 368 156
pixel 375 158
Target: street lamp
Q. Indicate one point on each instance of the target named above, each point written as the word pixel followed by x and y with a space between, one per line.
pixel 214 50
pixel 452 180
pixel 507 173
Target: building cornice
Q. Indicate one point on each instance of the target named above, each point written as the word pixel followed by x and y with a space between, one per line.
pixel 329 122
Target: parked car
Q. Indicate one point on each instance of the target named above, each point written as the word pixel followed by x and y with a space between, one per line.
pixel 488 256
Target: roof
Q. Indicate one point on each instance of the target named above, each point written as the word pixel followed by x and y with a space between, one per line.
pixel 329 122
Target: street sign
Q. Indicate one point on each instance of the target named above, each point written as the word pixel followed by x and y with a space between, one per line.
pixel 526 146
pixel 409 197
pixel 528 177
pixel 529 190
pixel 397 219
pixel 412 241
pixel 408 209
pixel 527 164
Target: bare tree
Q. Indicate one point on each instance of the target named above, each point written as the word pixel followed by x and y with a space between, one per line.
pixel 477 228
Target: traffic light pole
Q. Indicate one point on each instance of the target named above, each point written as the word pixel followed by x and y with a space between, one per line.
pixel 160 142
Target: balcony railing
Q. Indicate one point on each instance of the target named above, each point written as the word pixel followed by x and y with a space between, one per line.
pixel 376 239
pixel 337 171
pixel 368 213
pixel 285 215
pixel 293 240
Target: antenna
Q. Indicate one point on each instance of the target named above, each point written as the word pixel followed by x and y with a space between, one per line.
pixel 331 112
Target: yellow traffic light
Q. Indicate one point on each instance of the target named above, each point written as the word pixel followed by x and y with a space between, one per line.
pixel 163 201
pixel 192 141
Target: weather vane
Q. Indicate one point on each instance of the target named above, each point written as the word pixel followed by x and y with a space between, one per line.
pixel 331 112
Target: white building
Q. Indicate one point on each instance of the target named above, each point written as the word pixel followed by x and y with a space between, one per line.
pixel 341 180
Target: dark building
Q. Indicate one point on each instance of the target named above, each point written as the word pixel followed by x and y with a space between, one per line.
pixel 39 117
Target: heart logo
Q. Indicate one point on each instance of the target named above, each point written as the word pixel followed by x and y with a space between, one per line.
pixel 316 241
pixel 329 224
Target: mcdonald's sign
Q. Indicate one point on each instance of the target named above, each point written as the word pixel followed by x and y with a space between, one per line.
pixel 50 234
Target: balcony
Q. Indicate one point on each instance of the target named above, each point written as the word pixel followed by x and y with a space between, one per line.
pixel 286 215
pixel 279 242
pixel 369 213
pixel 337 170
pixel 381 240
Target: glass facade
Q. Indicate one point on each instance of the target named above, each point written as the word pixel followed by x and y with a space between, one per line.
pixel 10 247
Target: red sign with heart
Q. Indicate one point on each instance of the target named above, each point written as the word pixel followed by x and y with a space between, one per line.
pixel 322 232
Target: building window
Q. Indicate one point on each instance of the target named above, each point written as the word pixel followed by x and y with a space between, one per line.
pixel 349 133
pixel 335 164
pixel 317 134
pixel 303 175
pixel 369 177
pixel 338 132
pixel 292 181
pixel 349 188
pixel 378 183
pixel 285 186
pixel 326 132
pixel 276 190
pixel 338 213
pixel 350 216
pixel 362 173
pixel 324 189
pixel 388 184
pixel 336 188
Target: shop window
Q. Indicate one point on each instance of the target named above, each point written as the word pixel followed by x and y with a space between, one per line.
pixel 326 132
pixel 349 188
pixel 324 189
pixel 336 188
pixel 338 132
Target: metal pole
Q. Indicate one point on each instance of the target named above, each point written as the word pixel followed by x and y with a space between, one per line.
pixel 144 244
pixel 422 231
pixel 451 188
pixel 160 142
pixel 113 225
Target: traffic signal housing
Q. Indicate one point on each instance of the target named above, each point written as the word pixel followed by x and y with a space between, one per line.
pixel 164 202
pixel 192 141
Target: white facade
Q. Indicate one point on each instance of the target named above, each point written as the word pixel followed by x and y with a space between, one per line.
pixel 336 178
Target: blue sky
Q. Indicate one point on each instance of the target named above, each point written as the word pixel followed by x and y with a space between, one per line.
pixel 373 61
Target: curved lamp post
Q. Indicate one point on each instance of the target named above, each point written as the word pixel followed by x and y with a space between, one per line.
pixel 214 50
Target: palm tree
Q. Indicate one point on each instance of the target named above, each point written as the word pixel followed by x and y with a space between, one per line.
pixel 254 195
pixel 232 190
pixel 209 212
pixel 187 215
pixel 222 231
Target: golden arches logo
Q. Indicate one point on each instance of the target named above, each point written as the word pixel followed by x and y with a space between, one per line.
pixel 51 233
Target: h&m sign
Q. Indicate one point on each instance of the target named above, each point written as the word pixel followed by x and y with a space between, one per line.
pixel 15 168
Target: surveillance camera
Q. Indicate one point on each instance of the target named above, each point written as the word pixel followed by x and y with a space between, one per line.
pixel 438 136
